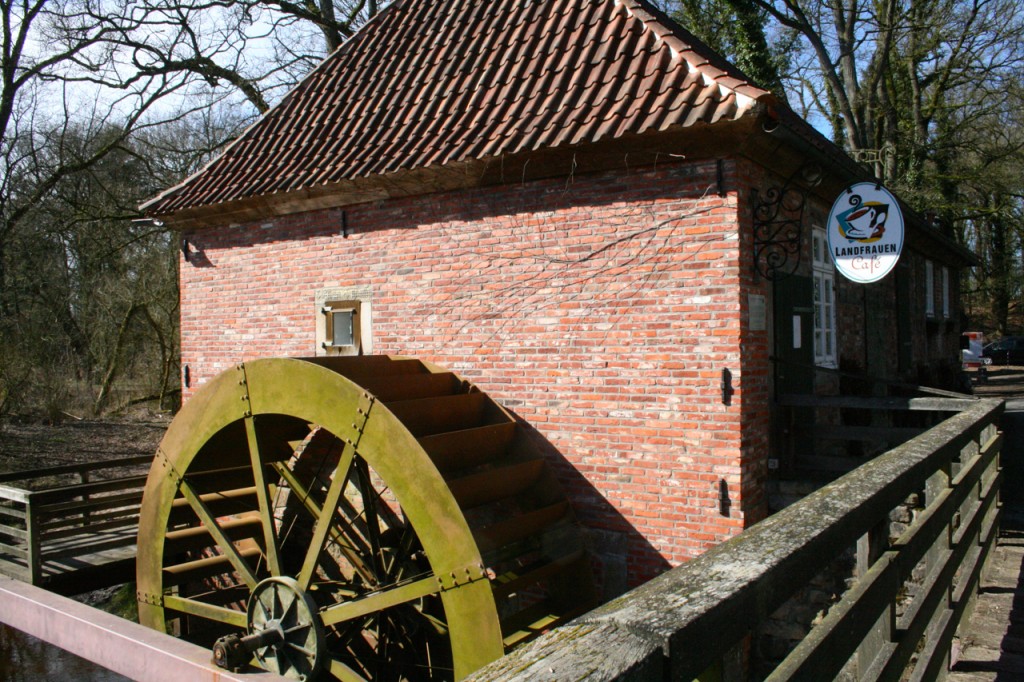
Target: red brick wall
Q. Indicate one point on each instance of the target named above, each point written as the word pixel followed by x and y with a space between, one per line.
pixel 601 310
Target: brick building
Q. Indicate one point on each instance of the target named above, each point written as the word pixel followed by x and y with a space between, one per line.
pixel 571 203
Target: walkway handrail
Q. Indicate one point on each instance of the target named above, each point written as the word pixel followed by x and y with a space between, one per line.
pixel 909 595
pixel 127 648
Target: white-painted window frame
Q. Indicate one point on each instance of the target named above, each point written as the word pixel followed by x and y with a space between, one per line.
pixel 929 289
pixel 826 352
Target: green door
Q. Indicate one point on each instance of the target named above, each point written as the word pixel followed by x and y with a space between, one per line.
pixel 793 319
pixel 793 306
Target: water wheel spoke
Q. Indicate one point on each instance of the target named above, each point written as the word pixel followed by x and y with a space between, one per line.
pixel 402 650
pixel 372 520
pixel 263 498
pixel 347 543
pixel 326 519
pixel 342 672
pixel 407 546
pixel 381 508
pixel 375 602
pixel 355 522
pixel 223 542
pixel 301 649
pixel 192 607
pixel 284 608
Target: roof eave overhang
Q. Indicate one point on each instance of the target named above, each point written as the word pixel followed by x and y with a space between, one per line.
pixel 778 140
pixel 628 152
pixel 790 142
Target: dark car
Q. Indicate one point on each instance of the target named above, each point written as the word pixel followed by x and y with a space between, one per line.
pixel 1006 351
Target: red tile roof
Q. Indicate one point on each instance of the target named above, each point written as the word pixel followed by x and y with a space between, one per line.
pixel 434 82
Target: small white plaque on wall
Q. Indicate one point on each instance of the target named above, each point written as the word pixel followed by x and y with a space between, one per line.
pixel 756 312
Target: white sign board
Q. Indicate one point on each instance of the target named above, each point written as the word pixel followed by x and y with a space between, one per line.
pixel 865 232
pixel 758 312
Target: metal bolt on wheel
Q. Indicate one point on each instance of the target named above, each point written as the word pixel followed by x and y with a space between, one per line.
pixel 355 518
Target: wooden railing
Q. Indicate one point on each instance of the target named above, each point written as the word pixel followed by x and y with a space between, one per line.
pixel 896 620
pixel 75 520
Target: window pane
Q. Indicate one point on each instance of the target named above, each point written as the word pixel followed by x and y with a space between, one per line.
pixel 341 328
pixel 929 288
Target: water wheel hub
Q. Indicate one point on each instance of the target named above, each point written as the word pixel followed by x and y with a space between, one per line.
pixel 283 620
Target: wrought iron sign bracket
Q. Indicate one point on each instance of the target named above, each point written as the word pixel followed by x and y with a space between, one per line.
pixel 778 223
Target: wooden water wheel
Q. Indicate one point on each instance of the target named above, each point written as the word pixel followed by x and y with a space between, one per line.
pixel 357 518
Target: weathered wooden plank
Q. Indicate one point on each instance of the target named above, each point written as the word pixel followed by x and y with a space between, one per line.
pixel 12 512
pixel 87 516
pixel 824 652
pixel 200 569
pixel 11 531
pixel 514 529
pixel 198 537
pixel 857 402
pixel 34 560
pixel 16 571
pixel 83 467
pixel 130 521
pixel 222 503
pixel 943 625
pixel 469 447
pixel 93 504
pixel 84 546
pixel 603 652
pixel 369 365
pixel 891 434
pixel 15 551
pixel 993 621
pixel 69 492
pixel 14 494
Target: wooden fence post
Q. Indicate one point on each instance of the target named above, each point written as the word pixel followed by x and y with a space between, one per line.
pixel 34 542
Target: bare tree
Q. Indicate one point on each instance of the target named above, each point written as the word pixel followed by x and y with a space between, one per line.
pixel 103 103
pixel 881 73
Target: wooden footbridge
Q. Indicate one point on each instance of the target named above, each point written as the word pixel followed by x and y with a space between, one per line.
pixel 72 528
pixel 912 586
pixel 932 561
pixel 991 646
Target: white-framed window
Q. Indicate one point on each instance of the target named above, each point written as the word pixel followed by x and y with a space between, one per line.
pixel 945 292
pixel 929 289
pixel 825 352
